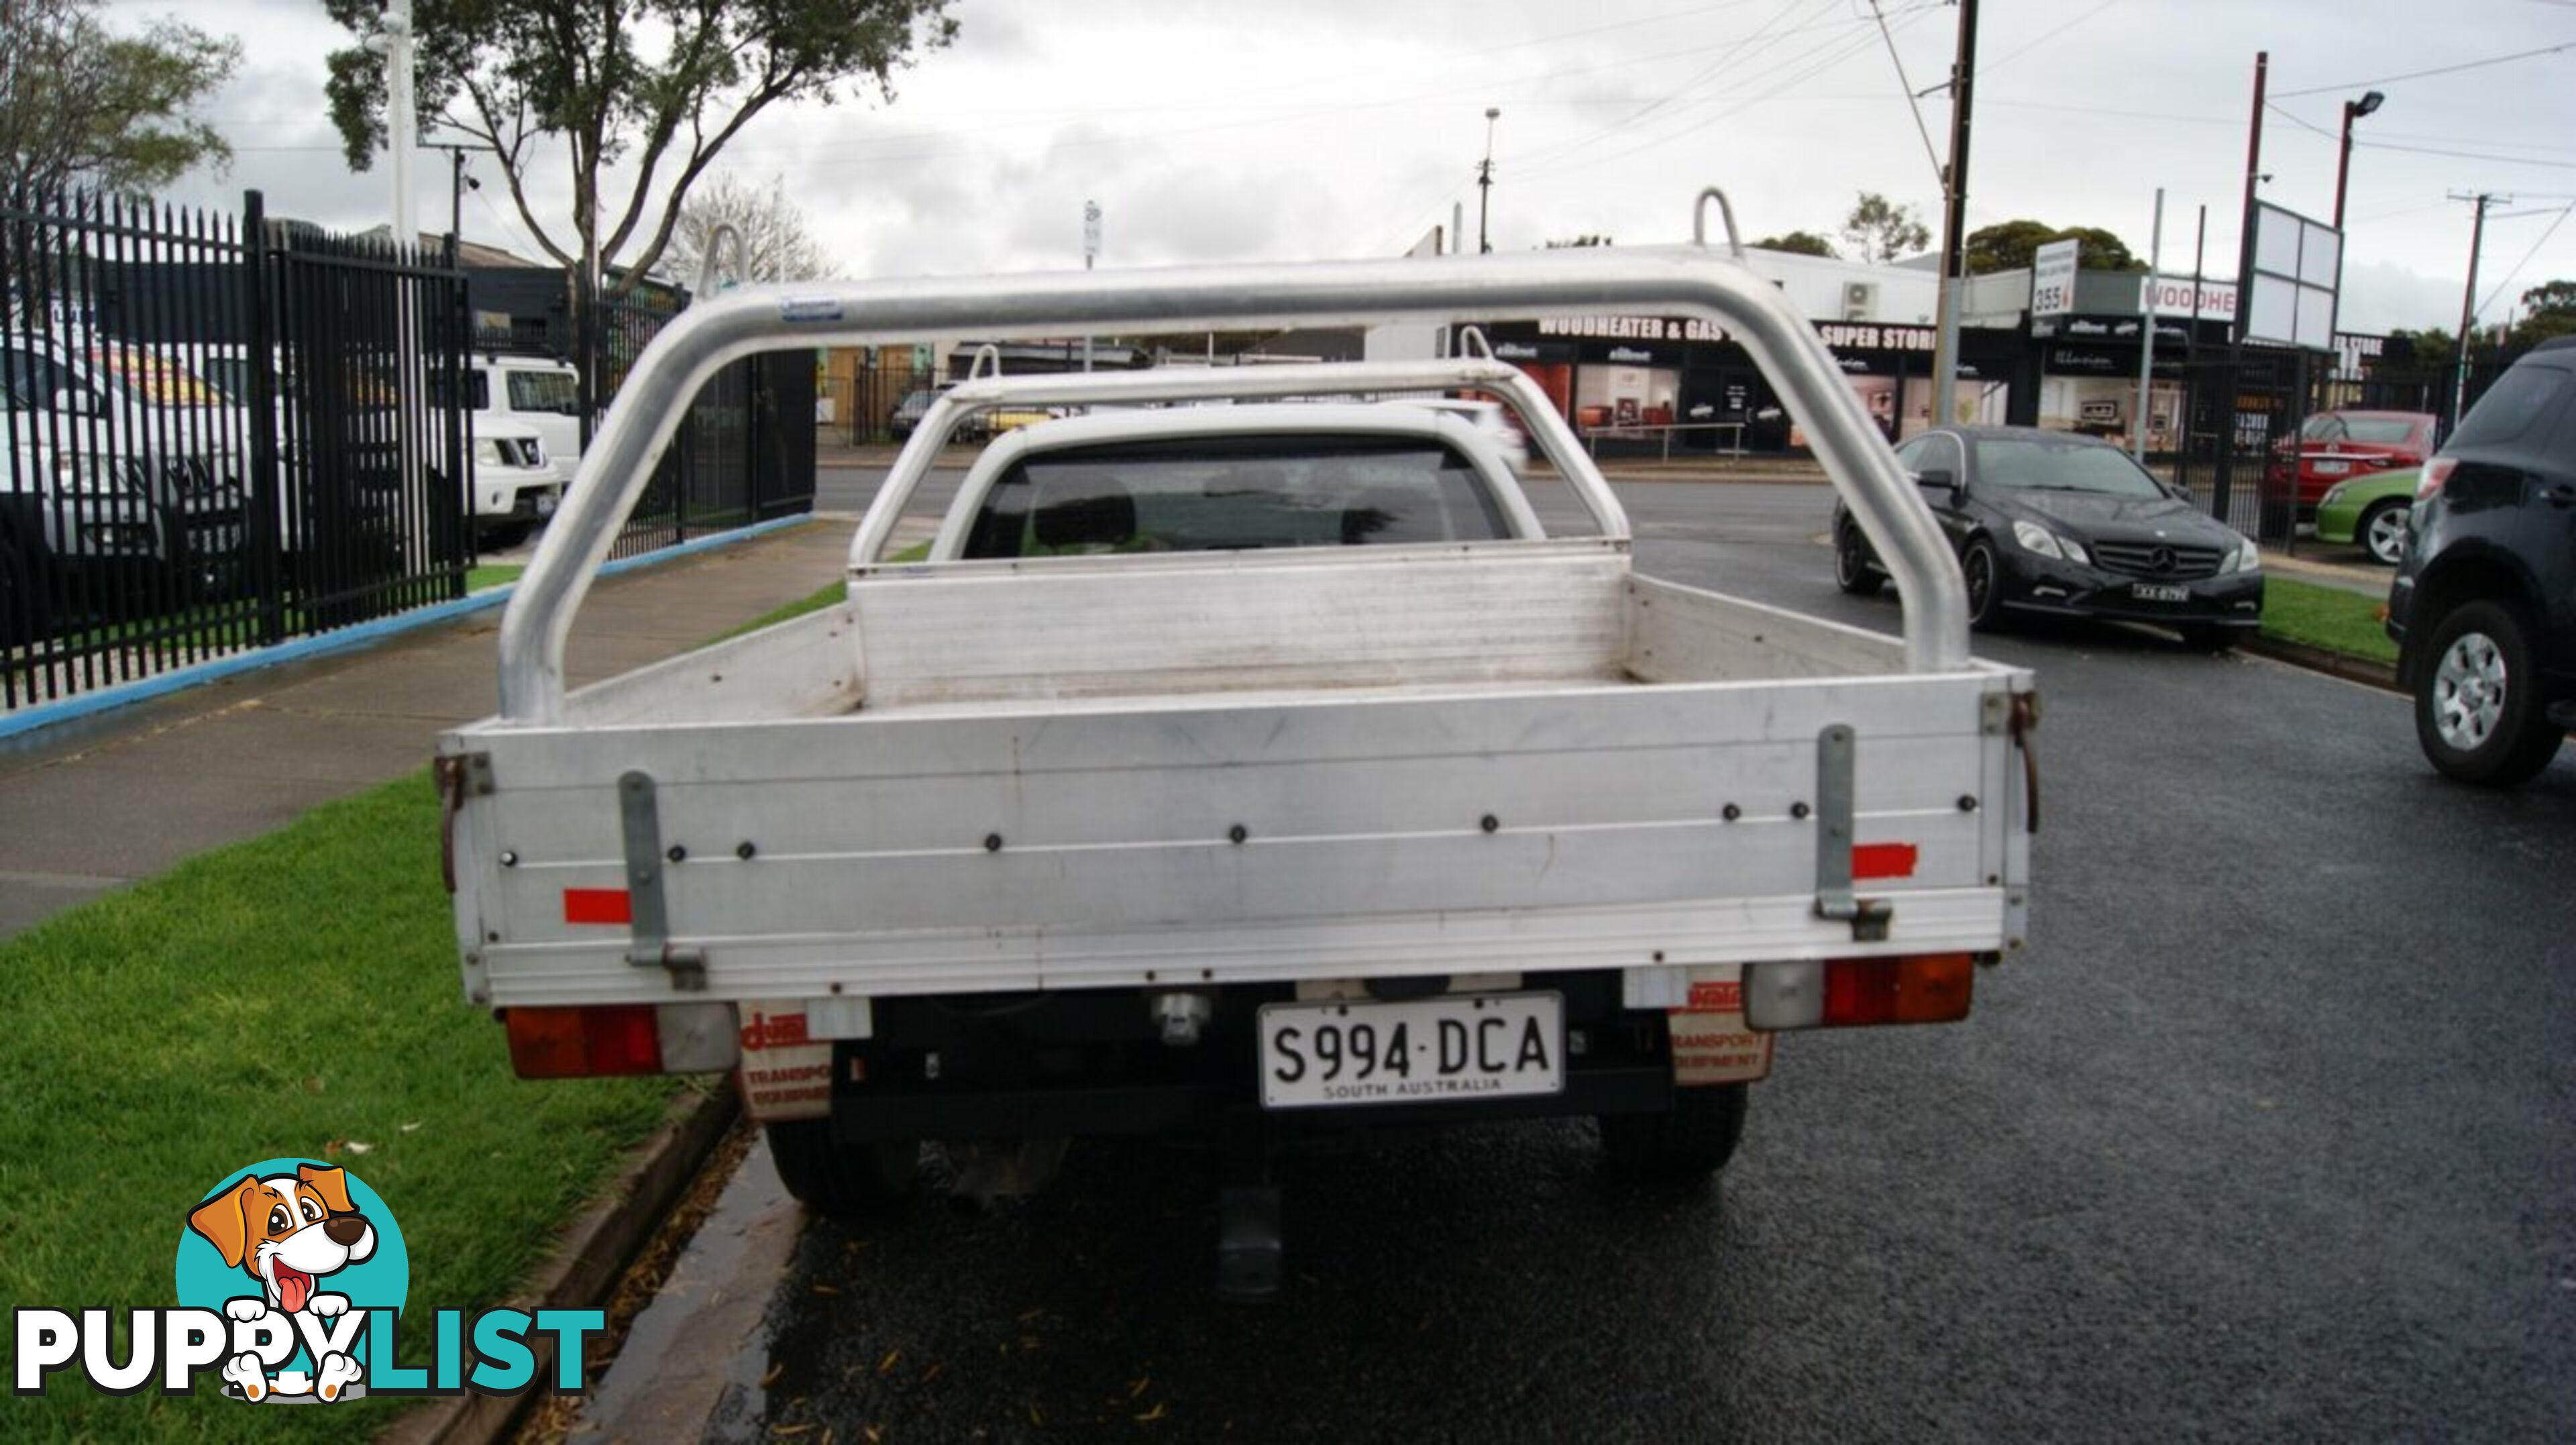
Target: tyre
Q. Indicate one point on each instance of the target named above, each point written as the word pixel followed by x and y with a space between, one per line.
pixel 1851 570
pixel 2382 532
pixel 1689 1141
pixel 2477 713
pixel 842 1181
pixel 1983 570
pixel 2211 638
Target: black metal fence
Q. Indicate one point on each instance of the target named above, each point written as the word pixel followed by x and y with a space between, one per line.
pixel 218 435
pixel 743 454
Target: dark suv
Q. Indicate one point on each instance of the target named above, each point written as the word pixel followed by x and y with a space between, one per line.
pixel 2484 606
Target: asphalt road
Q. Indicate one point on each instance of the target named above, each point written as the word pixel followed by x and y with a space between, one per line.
pixel 2270 1134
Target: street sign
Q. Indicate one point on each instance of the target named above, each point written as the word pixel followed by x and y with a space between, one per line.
pixel 2052 279
pixel 1090 232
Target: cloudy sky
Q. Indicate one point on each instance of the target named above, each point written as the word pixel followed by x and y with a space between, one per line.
pixel 1226 129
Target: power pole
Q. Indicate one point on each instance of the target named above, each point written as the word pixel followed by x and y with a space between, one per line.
pixel 401 117
pixel 1954 222
pixel 1485 183
pixel 2469 296
pixel 2147 337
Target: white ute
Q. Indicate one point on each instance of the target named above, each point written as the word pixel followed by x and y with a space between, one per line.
pixel 1243 773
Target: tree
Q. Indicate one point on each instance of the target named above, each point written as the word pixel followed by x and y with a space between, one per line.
pixel 2549 309
pixel 2009 245
pixel 775 244
pixel 2005 245
pixel 2099 250
pixel 1881 230
pixel 2410 352
pixel 653 85
pixel 82 105
pixel 1799 243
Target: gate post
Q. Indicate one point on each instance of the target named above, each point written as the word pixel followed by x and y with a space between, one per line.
pixel 267 504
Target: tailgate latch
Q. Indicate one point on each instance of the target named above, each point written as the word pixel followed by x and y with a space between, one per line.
pixel 640 819
pixel 1868 917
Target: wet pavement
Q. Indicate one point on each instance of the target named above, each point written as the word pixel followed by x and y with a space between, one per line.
pixel 2270 1134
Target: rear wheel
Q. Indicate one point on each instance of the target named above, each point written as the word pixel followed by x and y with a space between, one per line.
pixel 2478 714
pixel 1690 1140
pixel 842 1181
pixel 2382 532
pixel 1851 567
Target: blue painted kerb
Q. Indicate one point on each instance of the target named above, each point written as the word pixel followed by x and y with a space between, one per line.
pixel 30 719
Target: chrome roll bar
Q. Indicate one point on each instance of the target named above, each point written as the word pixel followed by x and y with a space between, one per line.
pixel 1547 430
pixel 1675 281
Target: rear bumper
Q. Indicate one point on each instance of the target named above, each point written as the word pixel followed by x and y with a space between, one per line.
pixel 1092 1062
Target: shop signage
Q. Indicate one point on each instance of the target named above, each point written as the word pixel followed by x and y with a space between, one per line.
pixel 1846 336
pixel 1631 356
pixel 1629 328
pixel 2174 297
pixel 2052 279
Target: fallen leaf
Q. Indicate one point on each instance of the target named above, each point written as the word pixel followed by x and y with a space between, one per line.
pixel 825 1289
pixel 1138 1388
pixel 933 1373
pixel 1034 1417
pixel 332 1149
pixel 361 1146
pixel 414 1124
pixel 789 1429
pixel 875 1435
pixel 886 1365
pixel 772 1377
pixel 1150 1416
pixel 1028 1315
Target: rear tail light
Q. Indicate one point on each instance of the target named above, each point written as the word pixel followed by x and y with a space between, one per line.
pixel 1929 988
pixel 606 1039
pixel 2436 472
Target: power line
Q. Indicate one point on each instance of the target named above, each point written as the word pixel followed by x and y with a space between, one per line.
pixel 1913 102
pixel 2527 255
pixel 1989 67
pixel 2421 74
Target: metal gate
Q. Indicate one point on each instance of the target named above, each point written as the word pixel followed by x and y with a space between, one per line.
pixel 217 433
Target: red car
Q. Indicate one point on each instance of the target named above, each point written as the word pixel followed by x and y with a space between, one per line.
pixel 2338 445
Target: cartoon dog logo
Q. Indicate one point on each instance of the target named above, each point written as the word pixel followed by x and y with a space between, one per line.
pixel 289 1232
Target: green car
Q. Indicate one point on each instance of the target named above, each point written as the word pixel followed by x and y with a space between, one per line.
pixel 2370 511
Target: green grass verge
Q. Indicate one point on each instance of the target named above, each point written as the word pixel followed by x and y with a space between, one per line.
pixel 491 574
pixel 2327 617
pixel 272 999
pixel 820 598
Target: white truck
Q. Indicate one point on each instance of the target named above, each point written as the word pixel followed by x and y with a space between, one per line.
pixel 1242 772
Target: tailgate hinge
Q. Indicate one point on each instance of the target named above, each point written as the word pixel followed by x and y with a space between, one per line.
pixel 640 819
pixel 458 776
pixel 1834 801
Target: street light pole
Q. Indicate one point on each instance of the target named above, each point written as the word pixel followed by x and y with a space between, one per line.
pixel 2353 110
pixel 1485 183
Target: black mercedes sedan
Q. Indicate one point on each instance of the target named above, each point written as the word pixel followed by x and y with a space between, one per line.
pixel 2052 522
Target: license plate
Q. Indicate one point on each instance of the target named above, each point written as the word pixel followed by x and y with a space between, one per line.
pixel 545 504
pixel 1455 1047
pixel 2159 592
pixel 2330 469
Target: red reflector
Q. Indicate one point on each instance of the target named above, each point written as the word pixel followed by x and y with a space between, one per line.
pixel 576 1043
pixel 1884 860
pixel 597 905
pixel 1929 988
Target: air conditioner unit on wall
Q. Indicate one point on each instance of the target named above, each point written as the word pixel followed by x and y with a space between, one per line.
pixel 1858 299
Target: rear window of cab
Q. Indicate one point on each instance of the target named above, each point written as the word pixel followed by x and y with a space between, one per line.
pixel 1241 493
